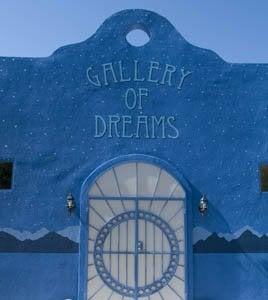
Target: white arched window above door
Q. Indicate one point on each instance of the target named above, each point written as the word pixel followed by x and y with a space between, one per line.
pixel 137 180
pixel 136 234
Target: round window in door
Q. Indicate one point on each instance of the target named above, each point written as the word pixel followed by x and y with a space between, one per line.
pixel 136 246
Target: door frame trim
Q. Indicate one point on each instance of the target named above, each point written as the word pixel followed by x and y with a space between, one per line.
pixel 84 214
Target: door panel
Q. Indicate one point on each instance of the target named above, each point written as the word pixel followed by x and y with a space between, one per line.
pixel 136 234
pixel 143 237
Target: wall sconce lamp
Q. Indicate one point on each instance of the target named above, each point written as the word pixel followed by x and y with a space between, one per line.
pixel 203 205
pixel 70 203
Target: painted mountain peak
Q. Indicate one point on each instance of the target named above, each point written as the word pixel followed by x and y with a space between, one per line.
pixel 200 233
pixel 51 242
pixel 24 234
pixel 71 232
pixel 244 240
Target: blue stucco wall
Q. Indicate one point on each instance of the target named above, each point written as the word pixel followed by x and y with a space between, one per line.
pixel 47 127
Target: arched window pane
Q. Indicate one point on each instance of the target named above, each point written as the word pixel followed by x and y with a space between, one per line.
pixel 137 179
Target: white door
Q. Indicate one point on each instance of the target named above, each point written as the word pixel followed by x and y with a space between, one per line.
pixel 136 235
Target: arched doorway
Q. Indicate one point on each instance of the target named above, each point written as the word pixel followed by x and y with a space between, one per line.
pixel 136 233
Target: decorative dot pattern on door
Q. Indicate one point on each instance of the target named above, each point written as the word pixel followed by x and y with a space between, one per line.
pixel 136 235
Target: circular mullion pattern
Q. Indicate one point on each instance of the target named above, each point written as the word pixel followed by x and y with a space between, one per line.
pixel 148 289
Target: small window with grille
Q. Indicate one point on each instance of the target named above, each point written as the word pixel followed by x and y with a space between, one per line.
pixel 264 177
pixel 6 173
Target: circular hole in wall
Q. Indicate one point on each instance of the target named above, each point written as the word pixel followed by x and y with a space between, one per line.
pixel 138 37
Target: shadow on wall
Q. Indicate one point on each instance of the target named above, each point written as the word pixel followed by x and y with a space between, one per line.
pixel 213 273
pixel 38 276
pixel 221 276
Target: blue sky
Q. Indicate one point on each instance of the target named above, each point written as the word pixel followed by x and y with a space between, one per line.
pixel 236 30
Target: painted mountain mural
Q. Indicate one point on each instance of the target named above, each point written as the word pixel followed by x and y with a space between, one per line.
pixel 248 242
pixel 66 240
pixel 51 242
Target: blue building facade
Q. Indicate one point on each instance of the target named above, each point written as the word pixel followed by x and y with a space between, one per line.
pixel 135 136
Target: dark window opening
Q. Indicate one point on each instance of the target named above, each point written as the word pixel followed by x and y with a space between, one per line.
pixel 264 178
pixel 6 170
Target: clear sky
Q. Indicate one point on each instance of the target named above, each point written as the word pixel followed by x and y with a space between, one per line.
pixel 235 29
